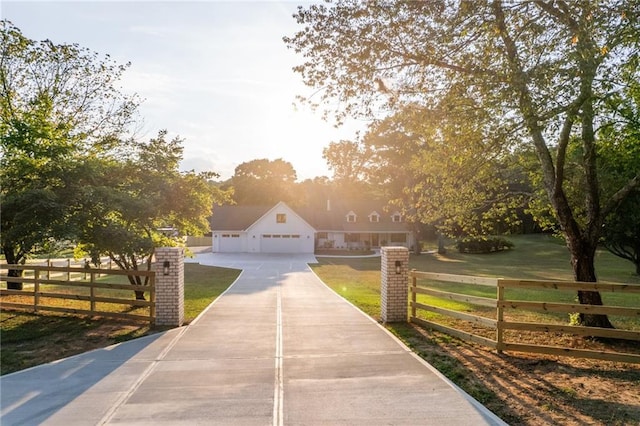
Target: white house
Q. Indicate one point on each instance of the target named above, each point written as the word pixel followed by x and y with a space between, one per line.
pixel 255 229
pixel 281 229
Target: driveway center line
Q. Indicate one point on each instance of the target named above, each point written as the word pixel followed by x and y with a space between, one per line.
pixel 279 377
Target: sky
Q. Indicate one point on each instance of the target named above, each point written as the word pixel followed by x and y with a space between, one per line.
pixel 215 73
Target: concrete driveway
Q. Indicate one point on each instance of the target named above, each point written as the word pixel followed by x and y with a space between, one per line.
pixel 278 348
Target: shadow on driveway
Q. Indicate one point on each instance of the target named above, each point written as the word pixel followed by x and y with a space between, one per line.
pixel 100 378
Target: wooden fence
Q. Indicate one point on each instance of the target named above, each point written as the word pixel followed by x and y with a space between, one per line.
pixel 42 286
pixel 500 324
pixel 104 263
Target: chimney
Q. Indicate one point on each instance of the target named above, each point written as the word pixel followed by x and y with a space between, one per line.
pixel 328 205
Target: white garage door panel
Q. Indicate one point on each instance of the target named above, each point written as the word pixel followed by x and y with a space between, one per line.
pixel 230 244
pixel 278 243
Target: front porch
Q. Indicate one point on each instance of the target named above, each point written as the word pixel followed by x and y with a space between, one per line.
pixel 362 240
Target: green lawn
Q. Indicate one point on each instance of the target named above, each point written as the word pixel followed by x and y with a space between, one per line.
pixel 202 285
pixel 534 257
pixel 29 339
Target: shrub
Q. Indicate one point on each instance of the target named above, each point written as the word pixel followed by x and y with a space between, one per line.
pixel 483 244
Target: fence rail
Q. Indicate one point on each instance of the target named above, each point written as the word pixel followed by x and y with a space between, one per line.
pixel 76 277
pixel 500 324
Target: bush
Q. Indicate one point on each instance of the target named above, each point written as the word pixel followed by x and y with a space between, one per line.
pixel 483 244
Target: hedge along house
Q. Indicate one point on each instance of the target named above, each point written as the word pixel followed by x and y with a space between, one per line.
pixel 281 229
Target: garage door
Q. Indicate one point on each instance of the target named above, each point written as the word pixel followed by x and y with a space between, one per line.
pixel 280 243
pixel 230 243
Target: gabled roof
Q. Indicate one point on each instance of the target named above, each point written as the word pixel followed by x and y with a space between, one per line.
pixel 240 218
pixel 336 218
pixel 280 205
pixel 236 218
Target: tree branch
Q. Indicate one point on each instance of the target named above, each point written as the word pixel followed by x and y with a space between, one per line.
pixel 617 198
pixel 561 15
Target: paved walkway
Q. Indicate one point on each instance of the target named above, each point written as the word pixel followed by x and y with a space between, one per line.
pixel 278 348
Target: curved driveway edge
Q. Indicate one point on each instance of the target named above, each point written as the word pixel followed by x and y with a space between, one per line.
pixel 277 348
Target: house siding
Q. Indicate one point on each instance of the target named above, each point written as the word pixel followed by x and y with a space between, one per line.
pixel 294 235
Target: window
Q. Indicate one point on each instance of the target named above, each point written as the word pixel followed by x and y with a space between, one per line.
pixel 323 235
pixel 396 217
pixel 351 217
pixel 374 217
pixel 398 238
pixel 281 218
pixel 352 238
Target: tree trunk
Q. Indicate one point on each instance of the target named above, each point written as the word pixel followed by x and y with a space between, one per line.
pixel 135 280
pixel 581 242
pixel 12 259
pixel 636 254
pixel 417 246
pixel 584 270
pixel 13 285
pixel 441 244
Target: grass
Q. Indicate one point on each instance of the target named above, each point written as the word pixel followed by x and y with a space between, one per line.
pixel 202 285
pixel 534 257
pixel 29 339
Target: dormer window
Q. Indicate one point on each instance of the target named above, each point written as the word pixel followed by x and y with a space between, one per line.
pixel 351 217
pixel 374 217
pixel 396 217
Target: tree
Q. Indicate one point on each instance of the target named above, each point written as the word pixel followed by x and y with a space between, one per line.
pixel 347 159
pixel 350 162
pixel 421 160
pixel 542 70
pixel 315 192
pixel 443 171
pixel 621 233
pixel 263 181
pixel 57 103
pixel 141 202
pixel 619 160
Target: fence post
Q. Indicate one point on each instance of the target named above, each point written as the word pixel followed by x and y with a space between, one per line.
pixel 394 287
pixel 36 289
pixel 169 269
pixel 499 316
pixel 92 295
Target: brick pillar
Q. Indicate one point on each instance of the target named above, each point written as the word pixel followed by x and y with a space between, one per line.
pixel 169 287
pixel 394 288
